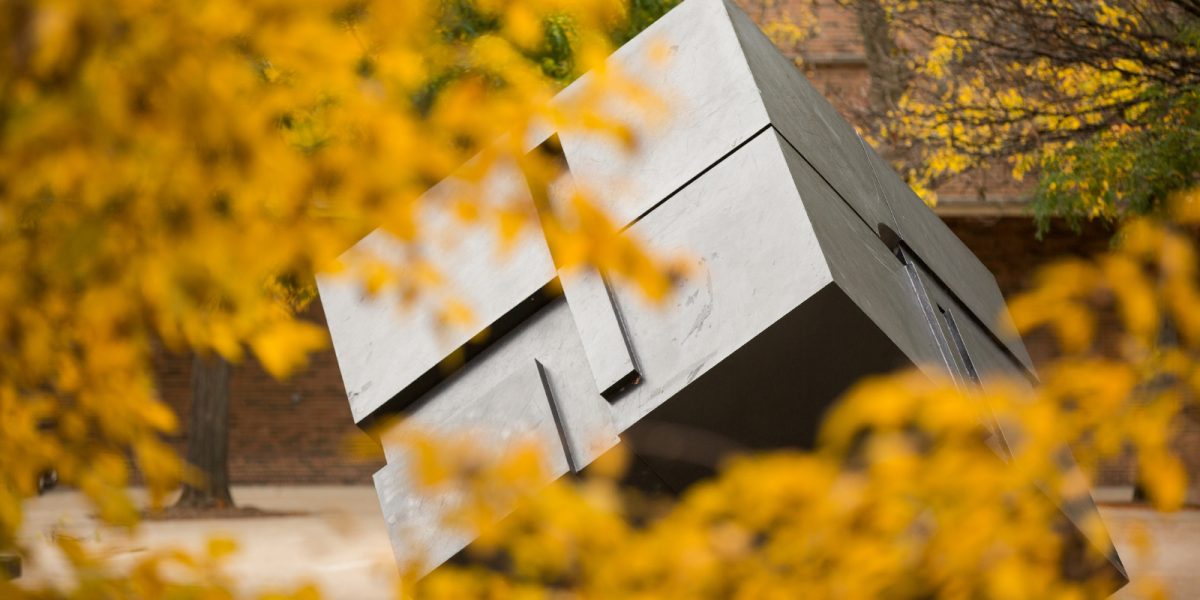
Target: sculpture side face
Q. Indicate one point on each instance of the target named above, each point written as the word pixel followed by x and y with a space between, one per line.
pixel 815 265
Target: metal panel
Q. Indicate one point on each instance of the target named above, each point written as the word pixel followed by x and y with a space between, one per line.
pixel 992 368
pixel 692 64
pixel 382 349
pixel 596 317
pixel 771 393
pixel 516 410
pixel 952 318
pixel 600 329
pixel 991 363
pixel 549 338
pixel 944 314
pixel 782 209
pixel 543 359
pixel 806 120
pixel 559 422
pixel 863 267
pixel 754 257
pixel 949 258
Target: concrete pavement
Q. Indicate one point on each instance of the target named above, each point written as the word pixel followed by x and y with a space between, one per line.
pixel 341 544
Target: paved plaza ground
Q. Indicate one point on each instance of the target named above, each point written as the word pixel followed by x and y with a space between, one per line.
pixel 340 544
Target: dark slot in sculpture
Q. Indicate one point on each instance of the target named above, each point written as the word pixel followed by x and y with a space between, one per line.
pixel 816 265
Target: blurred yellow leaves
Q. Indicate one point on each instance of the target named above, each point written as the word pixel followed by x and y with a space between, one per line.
pixel 904 497
pixel 220 547
pixel 283 346
pixel 173 175
pixel 1127 396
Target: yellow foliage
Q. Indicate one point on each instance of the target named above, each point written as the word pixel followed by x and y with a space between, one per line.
pixel 902 498
pixel 220 547
pixel 973 95
pixel 174 173
pixel 168 168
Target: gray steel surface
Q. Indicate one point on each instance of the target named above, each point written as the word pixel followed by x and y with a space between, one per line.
pixel 865 181
pixel 862 265
pixel 809 122
pixel 812 265
pixel 713 107
pixel 946 255
pixel 981 366
pixel 516 410
pixel 600 328
pixel 599 323
pixel 550 338
pixel 382 350
pixel 754 258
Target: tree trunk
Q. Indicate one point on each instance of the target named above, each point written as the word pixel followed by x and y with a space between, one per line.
pixel 887 66
pixel 208 435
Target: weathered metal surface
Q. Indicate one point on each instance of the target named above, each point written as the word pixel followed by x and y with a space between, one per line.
pixel 517 410
pixel 865 181
pixel 382 349
pixel 950 259
pixel 600 328
pixel 810 123
pixel 813 265
pixel 550 338
pixel 754 258
pixel 597 319
pixel 690 62
pixel 981 365
pixel 862 265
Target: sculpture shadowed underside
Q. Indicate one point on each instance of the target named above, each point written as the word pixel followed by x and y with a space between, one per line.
pixel 815 265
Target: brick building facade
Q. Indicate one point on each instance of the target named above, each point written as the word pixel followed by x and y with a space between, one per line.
pixel 297 431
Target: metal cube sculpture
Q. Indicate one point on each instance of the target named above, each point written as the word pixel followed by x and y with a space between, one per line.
pixel 816 265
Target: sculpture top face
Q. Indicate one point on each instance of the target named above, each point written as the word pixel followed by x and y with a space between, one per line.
pixel 814 266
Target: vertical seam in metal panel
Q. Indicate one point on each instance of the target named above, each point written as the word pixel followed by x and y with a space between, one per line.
pixel 927 309
pixel 900 233
pixel 987 331
pixel 621 325
pixel 993 422
pixel 557 414
pixel 968 364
